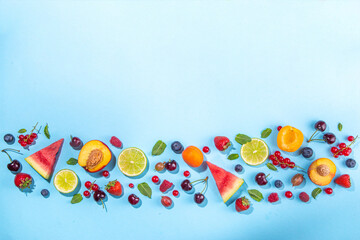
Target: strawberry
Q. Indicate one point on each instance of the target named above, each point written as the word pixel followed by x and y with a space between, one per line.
pixel 116 142
pixel 114 188
pixel 165 186
pixel 242 204
pixel 222 143
pixel 344 181
pixel 23 180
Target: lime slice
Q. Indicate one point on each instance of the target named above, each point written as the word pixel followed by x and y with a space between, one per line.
pixel 132 162
pixel 255 152
pixel 65 181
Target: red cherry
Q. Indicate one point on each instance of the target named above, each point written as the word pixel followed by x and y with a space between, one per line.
pixel 279 128
pixel 342 145
pixel 86 193
pixel 277 154
pixel 283 166
pixel 351 138
pixel 206 149
pixel 287 160
pixel 21 137
pixel 95 187
pixel 105 173
pixel 88 184
pixel 291 165
pixel 131 185
pixel 272 157
pixel 328 191
pixel 155 179
pixel 175 193
pixel 33 135
pixel 288 194
pixel 186 173
pixel 276 162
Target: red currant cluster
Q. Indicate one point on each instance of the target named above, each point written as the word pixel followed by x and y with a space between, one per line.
pixel 92 186
pixel 277 160
pixel 343 149
pixel 27 139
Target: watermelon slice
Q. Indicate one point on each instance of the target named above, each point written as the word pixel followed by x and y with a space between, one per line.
pixel 44 161
pixel 227 183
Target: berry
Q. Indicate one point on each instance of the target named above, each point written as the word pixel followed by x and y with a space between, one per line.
pixel 222 143
pixel 175 193
pixel 9 138
pixel 75 143
pixel 206 149
pixel 242 204
pixel 260 178
pixel 99 195
pixel 33 136
pixel 273 197
pixel 336 156
pixel 86 193
pixel 115 142
pixel 238 168
pixel 21 137
pixel 347 151
pixel 329 138
pixel 131 185
pixel 279 128
pixel 177 147
pixel 159 166
pixel 350 138
pixel 45 192
pixel 14 166
pixel 133 199
pixel 186 185
pixel 277 154
pixel 280 159
pixel 287 160
pixel 165 186
pixel 105 173
pixel 291 165
pixel 166 201
pixel 29 141
pixel 186 173
pixel 350 163
pixel 304 197
pixel 283 166
pixel 272 157
pixel 114 188
pixel 307 152
pixel 23 144
pixel 342 145
pixel 344 181
pixel 334 149
pixel 278 183
pixel 171 165
pixel 155 179
pixel 95 187
pixel 320 125
pixel 88 184
pixel 23 180
pixel 288 194
pixel 276 162
pixel 199 198
pixel 328 191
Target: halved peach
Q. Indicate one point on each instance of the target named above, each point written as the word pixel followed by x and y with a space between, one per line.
pixel 289 139
pixel 94 156
pixel 322 171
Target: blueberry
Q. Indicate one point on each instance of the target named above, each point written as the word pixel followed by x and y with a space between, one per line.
pixel 307 152
pixel 9 138
pixel 350 163
pixel 177 147
pixel 278 183
pixel 238 168
pixel 45 192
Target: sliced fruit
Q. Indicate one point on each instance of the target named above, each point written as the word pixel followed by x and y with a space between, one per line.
pixel 132 162
pixel 255 152
pixel 322 171
pixel 44 161
pixel 66 181
pixel 290 139
pixel 227 183
pixel 94 156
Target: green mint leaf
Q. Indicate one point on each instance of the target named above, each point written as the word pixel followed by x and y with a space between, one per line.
pixel 158 148
pixel 271 166
pixel 340 127
pixel 316 192
pixel 76 198
pixel 265 133
pixel 46 131
pixel 23 130
pixel 242 139
pixel 233 156
pixel 255 194
pixel 145 189
pixel 72 161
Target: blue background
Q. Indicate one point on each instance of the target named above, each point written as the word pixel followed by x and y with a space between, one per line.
pixel 178 70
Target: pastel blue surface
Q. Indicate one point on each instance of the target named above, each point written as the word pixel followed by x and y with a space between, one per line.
pixel 178 70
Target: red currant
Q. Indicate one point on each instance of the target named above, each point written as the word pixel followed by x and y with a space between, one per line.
pixel 186 173
pixel 206 149
pixel 21 137
pixel 175 193
pixel 30 141
pixel 23 144
pixel 334 149
pixel 95 187
pixel 276 162
pixel 288 194
pixel 155 179
pixel 277 154
pixel 336 156
pixel 105 173
pixel 131 185
pixel 341 152
pixel 342 145
pixel 283 166
pixel 347 152
pixel 86 193
pixel 279 128
pixel 291 165
pixel 328 190
pixel 280 159
pixel 88 184
pixel 287 160
pixel 33 135
pixel 272 157
pixel 351 138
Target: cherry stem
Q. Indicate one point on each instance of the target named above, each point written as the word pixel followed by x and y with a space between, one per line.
pixel 267 175
pixel 10 149
pixel 318 140
pixel 312 136
pixel 205 180
pixel 199 180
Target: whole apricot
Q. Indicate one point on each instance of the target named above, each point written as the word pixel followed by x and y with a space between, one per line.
pixel 193 156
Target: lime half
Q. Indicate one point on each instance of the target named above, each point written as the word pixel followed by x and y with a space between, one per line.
pixel 65 181
pixel 255 152
pixel 132 162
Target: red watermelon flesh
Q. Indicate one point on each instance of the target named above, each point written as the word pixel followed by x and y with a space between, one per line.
pixel 226 182
pixel 44 161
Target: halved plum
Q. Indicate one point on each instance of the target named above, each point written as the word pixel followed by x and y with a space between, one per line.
pixel 94 156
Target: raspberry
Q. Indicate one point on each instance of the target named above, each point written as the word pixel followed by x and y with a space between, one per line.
pixel 273 197
pixel 115 142
pixel 304 197
pixel 165 186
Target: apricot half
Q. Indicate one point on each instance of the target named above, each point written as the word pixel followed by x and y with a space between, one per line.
pixel 322 171
pixel 94 156
pixel 289 139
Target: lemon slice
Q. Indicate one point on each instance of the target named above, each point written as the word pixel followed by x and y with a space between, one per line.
pixel 255 152
pixel 66 181
pixel 132 162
